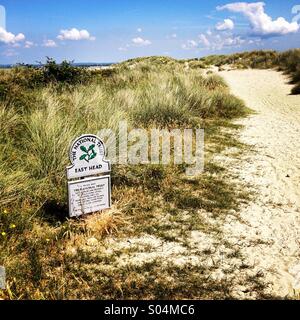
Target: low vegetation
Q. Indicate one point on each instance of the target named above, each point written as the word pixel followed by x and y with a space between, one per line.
pixel 243 60
pixel 289 62
pixel 48 256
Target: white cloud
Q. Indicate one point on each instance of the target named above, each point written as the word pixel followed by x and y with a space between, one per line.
pixel 228 42
pixel 171 36
pixel 261 23
pixel 139 30
pixel 10 53
pixel 122 49
pixel 28 44
pixel 75 35
pixel 19 37
pixel 190 44
pixel 204 40
pixel 49 43
pixel 15 45
pixel 214 42
pixel 141 42
pixel 10 38
pixel 233 41
pixel 227 24
pixel 257 42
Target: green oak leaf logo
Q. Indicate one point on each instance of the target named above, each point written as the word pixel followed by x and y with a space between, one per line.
pixel 89 154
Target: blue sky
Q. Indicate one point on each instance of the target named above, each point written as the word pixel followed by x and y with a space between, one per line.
pixel 115 30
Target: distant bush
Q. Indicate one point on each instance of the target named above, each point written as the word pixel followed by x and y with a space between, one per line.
pixel 63 73
pixel 29 77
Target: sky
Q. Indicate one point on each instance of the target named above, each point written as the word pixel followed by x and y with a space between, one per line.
pixel 117 30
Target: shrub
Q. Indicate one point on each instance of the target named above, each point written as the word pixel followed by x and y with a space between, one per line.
pixel 23 77
pixel 63 73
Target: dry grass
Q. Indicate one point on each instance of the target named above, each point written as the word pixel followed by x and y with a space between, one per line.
pixel 105 223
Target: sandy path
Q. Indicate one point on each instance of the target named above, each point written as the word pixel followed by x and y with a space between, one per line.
pixel 270 234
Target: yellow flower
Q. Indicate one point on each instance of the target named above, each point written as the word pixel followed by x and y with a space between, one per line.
pixel 12 226
pixel 5 211
pixel 3 234
pixel 48 240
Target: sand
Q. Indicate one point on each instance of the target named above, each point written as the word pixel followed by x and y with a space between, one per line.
pixel 270 233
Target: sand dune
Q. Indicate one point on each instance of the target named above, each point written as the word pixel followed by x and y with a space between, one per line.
pixel 270 232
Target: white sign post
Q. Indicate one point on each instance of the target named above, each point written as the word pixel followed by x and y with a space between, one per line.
pixel 89 180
